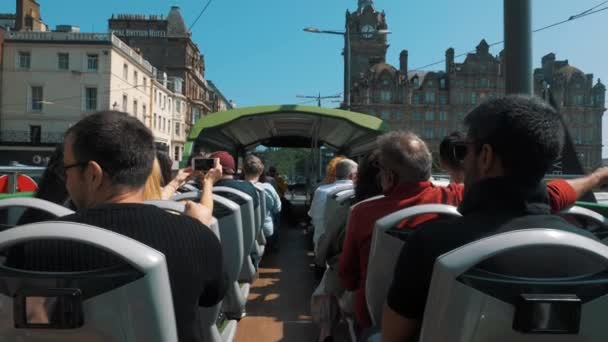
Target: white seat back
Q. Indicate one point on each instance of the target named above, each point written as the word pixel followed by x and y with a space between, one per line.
pixel 385 250
pixel 87 306
pixel 472 299
pixel 17 205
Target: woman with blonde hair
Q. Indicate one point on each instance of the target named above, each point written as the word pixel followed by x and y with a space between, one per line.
pixel 152 189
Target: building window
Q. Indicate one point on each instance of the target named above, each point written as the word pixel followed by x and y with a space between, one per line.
pixel 429 83
pixel 176 153
pixel 399 116
pixel 164 125
pixel 442 132
pixel 385 115
pixel 442 83
pixel 145 81
pixel 415 99
pixel 473 98
pixel 443 99
pixel 416 116
pixel 25 59
pixel 135 77
pixel 124 103
pixel 460 116
pixel 91 99
pixel 35 134
pixel 460 98
pixel 177 129
pixel 125 72
pixel 429 116
pixel 483 83
pixel 178 106
pixel 155 125
pixel 416 82
pixel 428 133
pixel 135 108
pixel 386 96
pixel 63 61
pixel 37 98
pixel 443 116
pixel 92 62
pixel 144 111
pixel 589 118
pixel 578 100
pixel 429 97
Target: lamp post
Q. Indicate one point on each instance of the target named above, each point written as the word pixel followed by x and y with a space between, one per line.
pixel 347 54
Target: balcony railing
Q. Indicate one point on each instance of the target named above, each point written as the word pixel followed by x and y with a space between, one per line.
pixel 25 137
pixel 61 36
pixel 131 53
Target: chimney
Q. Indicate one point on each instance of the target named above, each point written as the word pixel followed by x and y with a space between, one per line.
pixel 449 60
pixel 403 62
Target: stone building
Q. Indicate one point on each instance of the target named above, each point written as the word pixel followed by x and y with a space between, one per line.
pixel 434 103
pixel 167 44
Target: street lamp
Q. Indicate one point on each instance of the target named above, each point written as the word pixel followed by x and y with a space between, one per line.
pixel 346 34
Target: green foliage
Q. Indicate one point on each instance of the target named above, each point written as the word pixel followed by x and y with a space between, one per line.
pixel 290 162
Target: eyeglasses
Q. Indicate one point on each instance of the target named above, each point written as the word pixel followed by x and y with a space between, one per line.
pixel 460 149
pixel 63 173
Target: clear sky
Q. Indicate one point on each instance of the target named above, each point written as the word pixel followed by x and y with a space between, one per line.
pixel 257 53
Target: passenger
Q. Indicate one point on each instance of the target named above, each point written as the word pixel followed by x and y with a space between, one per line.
pixel 166 166
pixel 253 169
pixel 105 171
pixel 330 170
pixel 228 176
pixel 281 185
pixel 405 169
pixel 510 145
pixel 447 157
pixel 368 184
pixel 50 188
pixel 346 173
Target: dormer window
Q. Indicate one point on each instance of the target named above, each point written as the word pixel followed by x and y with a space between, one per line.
pixel 416 82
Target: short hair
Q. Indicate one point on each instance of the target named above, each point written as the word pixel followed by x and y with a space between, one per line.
pixel 119 143
pixel 345 168
pixel 523 131
pixel 404 153
pixel 367 178
pixel 253 166
pixel 446 150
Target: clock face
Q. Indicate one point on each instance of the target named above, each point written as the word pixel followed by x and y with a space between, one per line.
pixel 368 31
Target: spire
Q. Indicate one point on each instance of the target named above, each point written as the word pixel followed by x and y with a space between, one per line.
pixel 364 3
pixel 175 23
pixel 483 47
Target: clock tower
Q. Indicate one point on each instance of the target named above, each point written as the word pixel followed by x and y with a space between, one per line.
pixel 367 46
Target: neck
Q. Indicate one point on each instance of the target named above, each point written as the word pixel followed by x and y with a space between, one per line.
pixel 227 176
pixel 128 196
pixel 252 179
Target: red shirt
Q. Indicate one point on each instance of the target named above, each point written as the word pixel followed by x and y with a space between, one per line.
pixel 355 253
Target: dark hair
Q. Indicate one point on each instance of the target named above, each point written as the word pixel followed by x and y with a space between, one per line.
pixel 253 166
pixel 367 178
pixel 51 187
pixel 524 132
pixel 166 164
pixel 119 143
pixel 446 150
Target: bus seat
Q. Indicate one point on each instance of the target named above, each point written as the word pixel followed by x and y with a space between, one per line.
pixel 248 271
pixel 95 305
pixel 484 292
pixel 208 315
pixel 260 237
pixel 228 214
pixel 17 205
pixel 385 250
pixel 335 221
pixel 589 220
pixel 320 231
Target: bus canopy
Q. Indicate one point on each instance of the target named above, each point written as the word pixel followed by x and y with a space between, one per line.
pixel 245 128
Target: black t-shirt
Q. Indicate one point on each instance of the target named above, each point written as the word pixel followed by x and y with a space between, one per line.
pixel 193 254
pixel 491 207
pixel 243 186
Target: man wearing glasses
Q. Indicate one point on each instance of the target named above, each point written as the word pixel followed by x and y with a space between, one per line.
pixel 510 145
pixel 107 159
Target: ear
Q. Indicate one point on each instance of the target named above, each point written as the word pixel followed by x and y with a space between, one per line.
pixel 487 158
pixel 94 174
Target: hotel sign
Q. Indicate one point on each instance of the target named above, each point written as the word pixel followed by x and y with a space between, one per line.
pixel 140 33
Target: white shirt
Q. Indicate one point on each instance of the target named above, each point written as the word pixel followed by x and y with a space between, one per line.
pixel 317 207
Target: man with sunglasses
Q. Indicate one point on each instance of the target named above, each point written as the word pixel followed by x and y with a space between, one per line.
pixel 107 159
pixel 510 145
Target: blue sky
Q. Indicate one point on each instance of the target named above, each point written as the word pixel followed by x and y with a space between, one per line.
pixel 257 53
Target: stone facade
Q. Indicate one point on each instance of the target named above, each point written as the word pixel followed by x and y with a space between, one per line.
pixel 167 44
pixel 434 103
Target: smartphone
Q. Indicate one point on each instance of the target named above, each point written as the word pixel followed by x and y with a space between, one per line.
pixel 202 164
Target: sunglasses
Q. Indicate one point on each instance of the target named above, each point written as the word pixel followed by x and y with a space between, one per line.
pixel 460 149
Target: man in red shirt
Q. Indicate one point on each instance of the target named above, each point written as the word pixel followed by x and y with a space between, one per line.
pixel 405 169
